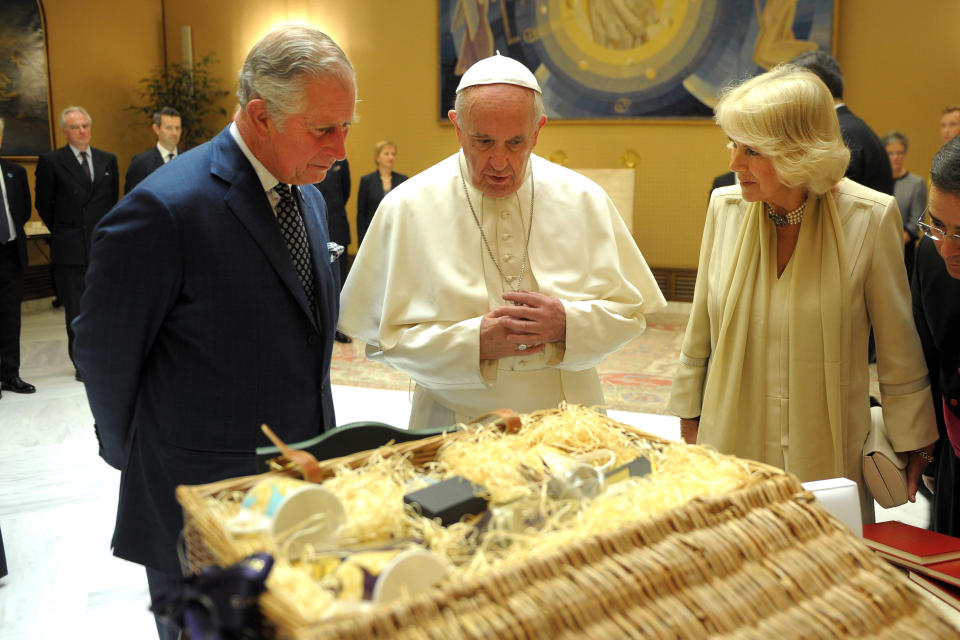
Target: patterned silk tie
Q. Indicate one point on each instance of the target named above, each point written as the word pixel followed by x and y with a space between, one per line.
pixel 86 167
pixel 295 235
pixel 169 158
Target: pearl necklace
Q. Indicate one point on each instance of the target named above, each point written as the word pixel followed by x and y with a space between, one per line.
pixel 483 236
pixel 791 217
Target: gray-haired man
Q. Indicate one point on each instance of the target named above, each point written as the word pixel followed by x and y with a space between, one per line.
pixel 211 302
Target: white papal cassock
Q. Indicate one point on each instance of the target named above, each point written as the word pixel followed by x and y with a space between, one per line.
pixel 423 279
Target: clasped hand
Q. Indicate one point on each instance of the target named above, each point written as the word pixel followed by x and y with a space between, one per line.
pixel 533 320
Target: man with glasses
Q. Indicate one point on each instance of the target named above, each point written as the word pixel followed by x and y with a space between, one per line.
pixel 936 306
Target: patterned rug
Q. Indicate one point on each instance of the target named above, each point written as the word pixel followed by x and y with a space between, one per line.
pixel 636 378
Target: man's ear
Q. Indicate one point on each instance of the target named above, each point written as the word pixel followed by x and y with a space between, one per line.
pixel 536 135
pixel 260 119
pixel 452 114
pixel 156 129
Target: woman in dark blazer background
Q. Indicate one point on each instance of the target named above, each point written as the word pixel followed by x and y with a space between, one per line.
pixel 374 186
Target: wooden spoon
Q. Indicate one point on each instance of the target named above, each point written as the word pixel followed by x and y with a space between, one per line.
pixel 304 461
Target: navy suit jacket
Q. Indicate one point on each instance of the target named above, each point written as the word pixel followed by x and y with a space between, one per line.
pixel 18 197
pixel 336 191
pixel 193 331
pixel 869 162
pixel 70 204
pixel 142 165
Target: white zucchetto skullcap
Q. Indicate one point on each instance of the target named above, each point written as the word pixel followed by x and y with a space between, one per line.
pixel 498 69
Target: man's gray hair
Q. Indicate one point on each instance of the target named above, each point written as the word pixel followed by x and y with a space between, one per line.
pixel 945 171
pixel 63 115
pixel 170 112
pixel 460 103
pixel 277 65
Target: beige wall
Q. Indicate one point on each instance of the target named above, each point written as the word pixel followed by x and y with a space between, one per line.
pixel 902 63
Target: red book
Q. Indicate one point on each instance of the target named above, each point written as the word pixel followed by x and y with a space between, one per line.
pixel 946 592
pixel 948 572
pixel 914 544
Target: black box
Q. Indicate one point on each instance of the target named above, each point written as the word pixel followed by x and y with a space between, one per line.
pixel 449 500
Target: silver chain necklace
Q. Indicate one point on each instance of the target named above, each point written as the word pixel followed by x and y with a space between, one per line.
pixel 528 231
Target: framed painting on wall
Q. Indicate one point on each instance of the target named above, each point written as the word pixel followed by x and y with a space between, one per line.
pixel 24 96
pixel 630 59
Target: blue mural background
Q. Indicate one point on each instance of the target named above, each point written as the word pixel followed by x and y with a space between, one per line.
pixel 627 59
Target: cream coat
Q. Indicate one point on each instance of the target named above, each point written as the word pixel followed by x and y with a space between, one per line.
pixel 422 280
pixel 878 294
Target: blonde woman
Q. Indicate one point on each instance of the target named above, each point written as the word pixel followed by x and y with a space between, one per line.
pixel 796 263
pixel 374 186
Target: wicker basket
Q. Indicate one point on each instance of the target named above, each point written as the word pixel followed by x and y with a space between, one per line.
pixel 765 561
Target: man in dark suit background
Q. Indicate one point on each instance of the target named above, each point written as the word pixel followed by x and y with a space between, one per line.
pixel 936 310
pixel 336 191
pixel 869 162
pixel 167 126
pixel 76 186
pixel 14 213
pixel 197 329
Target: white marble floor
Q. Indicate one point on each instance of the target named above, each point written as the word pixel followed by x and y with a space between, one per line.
pixel 58 499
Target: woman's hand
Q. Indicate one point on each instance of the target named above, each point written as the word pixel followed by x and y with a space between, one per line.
pixel 689 427
pixel 916 463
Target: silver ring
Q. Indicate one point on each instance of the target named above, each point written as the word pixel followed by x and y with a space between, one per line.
pixel 521 347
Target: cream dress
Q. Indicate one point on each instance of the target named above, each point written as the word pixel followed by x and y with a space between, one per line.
pixel 810 440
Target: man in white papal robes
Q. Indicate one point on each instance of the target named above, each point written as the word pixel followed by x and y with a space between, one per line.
pixel 496 278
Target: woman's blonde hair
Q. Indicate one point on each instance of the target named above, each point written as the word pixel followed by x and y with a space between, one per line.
pixel 788 116
pixel 379 147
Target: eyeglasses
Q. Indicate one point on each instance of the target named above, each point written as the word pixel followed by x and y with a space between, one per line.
pixel 934 231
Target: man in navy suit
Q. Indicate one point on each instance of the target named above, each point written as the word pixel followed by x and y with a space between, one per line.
pixel 14 213
pixel 211 300
pixel 76 186
pixel 167 126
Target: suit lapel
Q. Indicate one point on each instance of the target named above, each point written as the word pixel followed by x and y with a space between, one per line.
pixel 99 165
pixel 73 167
pixel 248 202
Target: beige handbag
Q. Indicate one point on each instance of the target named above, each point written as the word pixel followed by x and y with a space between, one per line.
pixel 884 470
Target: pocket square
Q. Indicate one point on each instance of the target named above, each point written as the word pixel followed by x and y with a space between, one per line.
pixel 336 250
